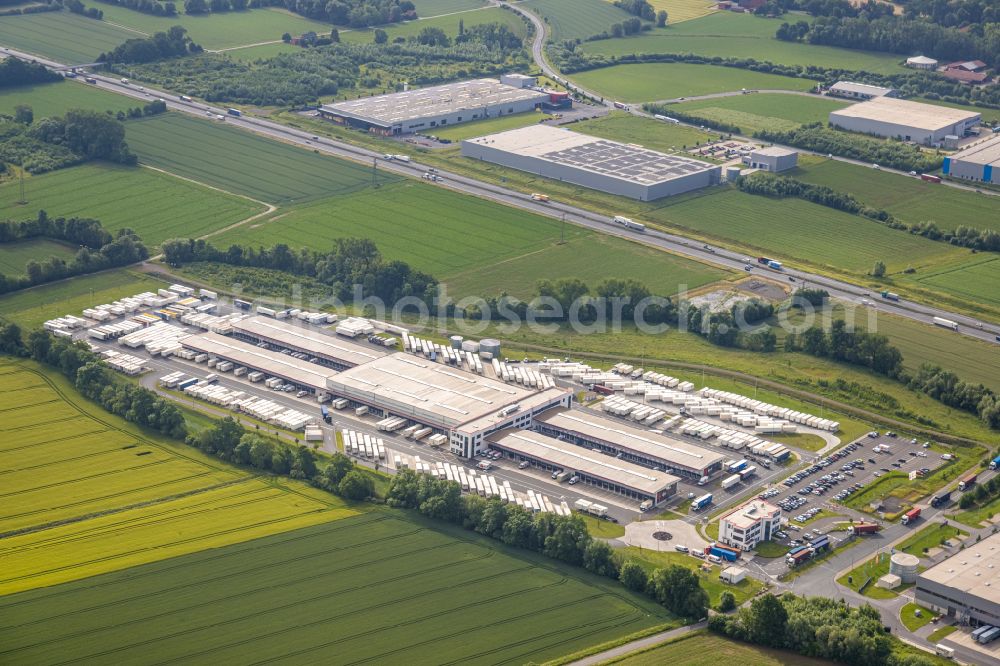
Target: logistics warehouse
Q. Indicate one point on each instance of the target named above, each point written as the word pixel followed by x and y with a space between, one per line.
pixel 907 121
pixel 336 353
pixel 634 445
pixel 611 474
pixel 966 586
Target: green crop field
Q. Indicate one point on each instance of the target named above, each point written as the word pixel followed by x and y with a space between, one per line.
pixel 156 205
pixel 627 128
pixel 490 126
pixel 53 99
pixel 684 10
pixel 577 19
pixel 238 161
pixel 29 308
pixel 725 34
pixel 977 280
pixel 428 8
pixel 802 230
pixel 378 588
pixel 13 256
pixel 763 111
pixel 84 493
pixel 654 81
pixel 448 22
pixel 64 37
pixel 260 52
pixel 702 649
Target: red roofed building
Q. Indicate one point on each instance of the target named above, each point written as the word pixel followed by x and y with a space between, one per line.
pixel 965 76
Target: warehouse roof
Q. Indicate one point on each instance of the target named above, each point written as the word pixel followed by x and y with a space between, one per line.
pixel 575 458
pixel 412 386
pixel 395 108
pixel 313 342
pixel 279 365
pixel 987 152
pixel 747 515
pixel 774 151
pixel 860 88
pixel 902 112
pixel 622 435
pixel 975 570
pixel 629 162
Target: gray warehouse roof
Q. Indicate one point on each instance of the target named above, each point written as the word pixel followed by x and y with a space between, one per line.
pixel 622 435
pixel 313 342
pixel 628 162
pixel 927 117
pixel 862 88
pixel 987 152
pixel 395 108
pixel 272 363
pixel 975 570
pixel 571 457
pixel 775 151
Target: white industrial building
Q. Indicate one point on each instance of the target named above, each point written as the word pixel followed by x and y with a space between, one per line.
pixel 750 524
pixel 859 91
pixel 966 586
pixel 608 166
pixel 334 352
pixel 921 62
pixel 980 163
pixel 773 159
pixel 425 109
pixel 908 121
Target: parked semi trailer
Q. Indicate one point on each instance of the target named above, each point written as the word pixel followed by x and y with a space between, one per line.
pixel 910 516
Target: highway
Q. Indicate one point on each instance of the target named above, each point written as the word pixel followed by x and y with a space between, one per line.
pixel 674 243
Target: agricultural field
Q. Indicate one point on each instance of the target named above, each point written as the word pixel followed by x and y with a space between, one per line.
pixel 156 205
pixel 910 199
pixel 29 308
pixel 654 134
pixel 85 493
pixel 447 22
pixel 260 51
pixel 656 81
pixel 380 587
pixel 428 8
pixel 54 99
pixel 576 19
pixel 763 111
pixel 64 37
pixel 975 281
pixel 243 163
pixel 801 230
pixel 684 10
pixel 13 256
pixel 704 649
pixel 725 34
pixel 490 126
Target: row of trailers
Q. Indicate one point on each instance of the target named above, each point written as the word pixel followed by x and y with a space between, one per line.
pixel 986 634
pixel 360 445
pixel 731 439
pixel 416 432
pixel 486 485
pixel 521 375
pixel 433 350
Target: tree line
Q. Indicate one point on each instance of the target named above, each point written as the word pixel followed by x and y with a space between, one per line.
pixel 856 347
pixel 351 13
pixel 954 13
pixel 50 6
pixel 946 387
pixel 77 7
pixel 16 72
pixel 563 538
pixel 773 185
pixel 351 261
pixel 983 494
pixel 173 43
pixel 98 249
pixel 154 7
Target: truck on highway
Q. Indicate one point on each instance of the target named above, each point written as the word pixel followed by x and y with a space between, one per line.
pixel 701 502
pixel 945 323
pixel 666 119
pixel 763 260
pixel 185 98
pixel 941 498
pixel 234 112
pixel 910 516
pixel 628 223
pixel 995 463
pixel 967 482
pixel 90 79
pixel 730 481
pixel 890 296
pixel 776 265
pixel 536 196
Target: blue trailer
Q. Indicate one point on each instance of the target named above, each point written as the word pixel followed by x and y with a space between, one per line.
pixel 820 544
pixel 738 466
pixel 242 305
pixel 234 112
pixel 326 413
pixel 181 385
pixel 723 553
pixel 797 549
pixel 995 463
pixel 701 502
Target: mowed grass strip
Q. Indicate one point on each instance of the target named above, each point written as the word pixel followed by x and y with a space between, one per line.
pixel 244 163
pixel 54 99
pixel 154 204
pixel 379 588
pixel 702 649
pixel 14 256
pixel 764 111
pixel 577 19
pixel 62 36
pixel 801 230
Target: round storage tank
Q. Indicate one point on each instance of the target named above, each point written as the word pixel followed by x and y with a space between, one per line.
pixel 905 566
pixel 732 173
pixel 456 341
pixel 490 346
pixel 470 346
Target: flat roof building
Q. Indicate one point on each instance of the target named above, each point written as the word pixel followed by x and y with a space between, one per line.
pixel 619 476
pixel 908 121
pixel 861 91
pixel 333 352
pixel 966 586
pixel 980 162
pixel 467 406
pixel 634 444
pixel 425 109
pixel 303 374
pixel 608 166
pixel 773 159
pixel 746 526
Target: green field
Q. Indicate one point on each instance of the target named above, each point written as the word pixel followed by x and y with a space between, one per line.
pixel 930 537
pixel 910 619
pixel 29 308
pixel 447 22
pixel 975 281
pixel 762 111
pixel 801 230
pixel 241 162
pixel 428 8
pixel 13 256
pixel 378 588
pixel 489 126
pixel 577 19
pixel 64 37
pixel 703 649
pixel 53 99
pixel 910 199
pixel 976 517
pixel 655 81
pixel 85 493
pixel 627 128
pixel 725 34
pixel 260 52
pixel 684 10
pixel 156 205
pixel 651 560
